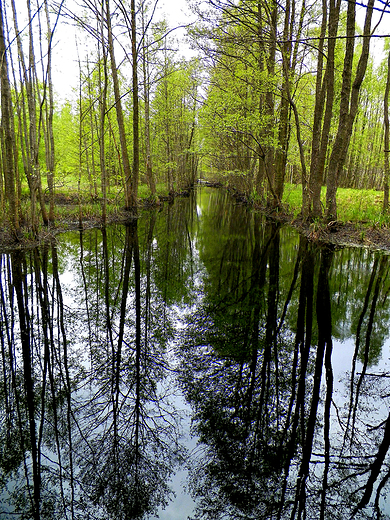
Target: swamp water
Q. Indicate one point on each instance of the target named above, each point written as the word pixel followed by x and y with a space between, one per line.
pixel 201 350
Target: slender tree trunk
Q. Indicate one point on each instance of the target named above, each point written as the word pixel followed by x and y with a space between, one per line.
pixel 284 111
pixel 348 104
pixel 128 182
pixel 318 112
pixel 33 100
pixel 134 55
pixel 269 157
pixel 386 140
pixel 19 281
pixel 145 69
pixel 91 140
pixel 102 121
pixel 7 134
pixel 317 166
pixel 28 120
pixel 80 140
pixel 49 134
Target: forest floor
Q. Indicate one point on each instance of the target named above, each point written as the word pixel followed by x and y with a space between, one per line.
pixel 346 234
pixel 339 234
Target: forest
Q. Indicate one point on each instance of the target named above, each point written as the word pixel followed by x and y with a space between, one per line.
pixel 272 94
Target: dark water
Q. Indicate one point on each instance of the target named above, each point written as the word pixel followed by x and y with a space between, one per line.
pixel 201 350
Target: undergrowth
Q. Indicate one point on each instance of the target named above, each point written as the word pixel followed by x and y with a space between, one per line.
pixel 353 205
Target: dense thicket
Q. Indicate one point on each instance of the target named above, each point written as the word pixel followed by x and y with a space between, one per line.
pixel 279 92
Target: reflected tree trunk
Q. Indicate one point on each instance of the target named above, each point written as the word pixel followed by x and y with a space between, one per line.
pixel 65 377
pixel 375 469
pixel 324 321
pixel 324 342
pixel 19 282
pixel 295 425
pixel 378 273
pixel 270 347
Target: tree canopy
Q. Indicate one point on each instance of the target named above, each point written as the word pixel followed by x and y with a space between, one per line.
pixel 271 93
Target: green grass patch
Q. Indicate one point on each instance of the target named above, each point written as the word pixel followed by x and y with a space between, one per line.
pixel 357 206
pixel 292 198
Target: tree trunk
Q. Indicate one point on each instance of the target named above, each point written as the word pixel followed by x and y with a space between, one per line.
pixel 33 97
pixel 134 54
pixel 284 112
pixel 318 112
pixel 49 134
pixel 7 134
pixel 102 120
pixel 386 140
pixel 145 68
pixel 348 104
pixel 128 183
pixel 317 166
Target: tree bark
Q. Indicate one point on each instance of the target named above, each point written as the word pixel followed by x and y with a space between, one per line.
pixel 348 104
pixel 284 112
pixel 145 68
pixel 33 100
pixel 134 55
pixel 386 140
pixel 102 120
pixel 128 183
pixel 49 134
pixel 7 134
pixel 320 136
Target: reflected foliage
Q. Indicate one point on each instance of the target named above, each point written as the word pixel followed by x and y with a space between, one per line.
pixel 279 346
pixel 88 423
pixel 277 438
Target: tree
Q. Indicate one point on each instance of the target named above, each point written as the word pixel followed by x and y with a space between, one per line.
pixel 129 194
pixel 254 55
pixel 8 145
pixel 323 110
pixel 386 139
pixel 147 92
pixel 348 103
pixel 174 120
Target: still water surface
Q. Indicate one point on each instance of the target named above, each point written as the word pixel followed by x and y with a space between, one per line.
pixel 199 363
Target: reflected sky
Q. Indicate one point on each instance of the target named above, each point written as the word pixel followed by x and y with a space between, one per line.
pixel 200 350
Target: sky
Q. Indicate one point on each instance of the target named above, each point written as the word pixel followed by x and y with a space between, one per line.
pixel 65 73
pixel 65 61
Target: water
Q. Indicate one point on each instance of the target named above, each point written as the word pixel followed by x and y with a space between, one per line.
pixel 201 362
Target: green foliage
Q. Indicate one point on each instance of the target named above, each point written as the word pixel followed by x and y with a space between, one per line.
pixel 65 132
pixel 236 130
pixel 174 122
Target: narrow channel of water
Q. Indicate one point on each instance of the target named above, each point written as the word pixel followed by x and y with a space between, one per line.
pixel 201 362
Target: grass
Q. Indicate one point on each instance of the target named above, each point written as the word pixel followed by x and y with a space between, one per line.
pixel 72 202
pixel 363 208
pixel 356 206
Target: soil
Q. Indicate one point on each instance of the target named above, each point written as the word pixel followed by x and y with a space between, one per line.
pixel 347 235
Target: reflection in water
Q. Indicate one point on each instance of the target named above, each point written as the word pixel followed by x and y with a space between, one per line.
pixel 106 331
pixel 88 424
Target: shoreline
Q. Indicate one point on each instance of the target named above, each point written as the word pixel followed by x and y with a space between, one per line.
pixel 339 234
